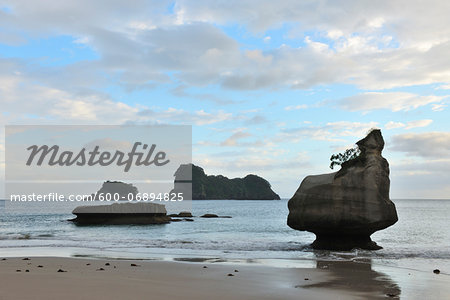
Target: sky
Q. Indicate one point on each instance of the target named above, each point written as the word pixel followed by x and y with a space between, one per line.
pixel 272 88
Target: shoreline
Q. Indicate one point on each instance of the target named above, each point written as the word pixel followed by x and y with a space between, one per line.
pixel 199 279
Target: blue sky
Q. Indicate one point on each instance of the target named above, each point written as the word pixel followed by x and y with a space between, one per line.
pixel 271 88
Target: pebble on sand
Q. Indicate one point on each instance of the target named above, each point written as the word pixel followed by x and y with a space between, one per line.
pixel 61 271
pixel 229 274
pixel 436 271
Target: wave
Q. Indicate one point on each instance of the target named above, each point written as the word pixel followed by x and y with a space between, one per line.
pixel 23 236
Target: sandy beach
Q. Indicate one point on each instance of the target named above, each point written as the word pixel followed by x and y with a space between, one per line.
pixel 74 278
pixel 95 279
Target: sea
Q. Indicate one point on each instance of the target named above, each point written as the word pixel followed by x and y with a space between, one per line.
pixel 256 232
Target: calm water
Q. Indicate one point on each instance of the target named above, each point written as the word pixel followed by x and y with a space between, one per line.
pixel 257 230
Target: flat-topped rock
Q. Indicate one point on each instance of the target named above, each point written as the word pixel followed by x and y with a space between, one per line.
pixel 121 213
pixel 122 208
pixel 344 208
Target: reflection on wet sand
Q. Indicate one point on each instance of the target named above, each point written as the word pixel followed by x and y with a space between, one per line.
pixel 358 278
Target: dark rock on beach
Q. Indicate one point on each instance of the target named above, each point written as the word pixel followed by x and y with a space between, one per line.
pixel 345 208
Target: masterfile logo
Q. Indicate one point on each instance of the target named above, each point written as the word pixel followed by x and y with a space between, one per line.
pixel 68 160
pixel 94 157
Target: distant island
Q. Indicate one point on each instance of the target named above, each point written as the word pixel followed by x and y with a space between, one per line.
pixel 218 187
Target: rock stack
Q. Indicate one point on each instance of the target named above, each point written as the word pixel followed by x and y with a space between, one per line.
pixel 343 209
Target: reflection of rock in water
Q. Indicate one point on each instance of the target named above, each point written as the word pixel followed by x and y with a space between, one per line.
pixel 359 278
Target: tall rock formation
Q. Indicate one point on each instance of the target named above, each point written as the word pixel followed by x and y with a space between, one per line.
pixel 344 208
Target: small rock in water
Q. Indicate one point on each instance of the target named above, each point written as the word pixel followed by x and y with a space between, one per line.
pixel 436 271
pixel 26 258
pixel 189 220
pixel 306 278
pixel 209 216
pixel 107 264
pixel 61 271
pixel 185 214
pixel 236 270
pixel 229 274
pixel 88 264
pixel 3 258
pixel 100 269
pixel 205 267
pixel 18 270
pixel 27 271
pixel 40 266
pixel 135 265
pixel 391 295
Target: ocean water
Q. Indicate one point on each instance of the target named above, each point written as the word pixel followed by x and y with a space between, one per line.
pixel 257 231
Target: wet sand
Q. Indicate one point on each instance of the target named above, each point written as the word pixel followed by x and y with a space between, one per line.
pixel 138 279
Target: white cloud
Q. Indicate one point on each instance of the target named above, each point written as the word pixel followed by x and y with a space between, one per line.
pixel 393 125
pixel 428 144
pixel 333 131
pixel 438 107
pixel 24 99
pixel 444 87
pixel 373 46
pixel 296 107
pixel 233 139
pixel 418 123
pixel 409 125
pixel 394 101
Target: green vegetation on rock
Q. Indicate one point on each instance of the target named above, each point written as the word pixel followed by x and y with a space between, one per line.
pixel 218 187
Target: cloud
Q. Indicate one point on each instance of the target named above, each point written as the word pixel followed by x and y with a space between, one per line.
pixel 180 116
pixel 418 123
pixel 409 125
pixel 233 139
pixel 329 132
pixel 393 125
pixel 108 143
pixel 296 107
pixel 372 46
pixel 394 101
pixel 444 87
pixel 256 120
pixel 24 97
pixel 428 144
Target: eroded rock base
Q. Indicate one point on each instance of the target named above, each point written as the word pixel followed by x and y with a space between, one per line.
pixel 344 242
